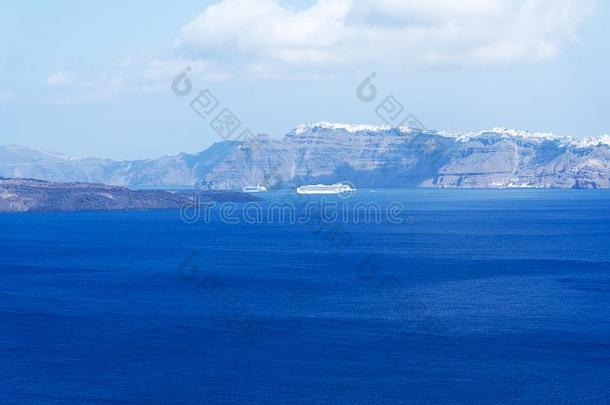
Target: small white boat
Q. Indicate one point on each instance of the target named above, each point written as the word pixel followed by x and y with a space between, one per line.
pixel 325 189
pixel 254 189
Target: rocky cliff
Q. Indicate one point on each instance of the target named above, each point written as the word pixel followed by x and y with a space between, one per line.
pixel 370 156
pixel 367 156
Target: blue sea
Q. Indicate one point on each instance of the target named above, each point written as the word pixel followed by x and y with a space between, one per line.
pixel 472 297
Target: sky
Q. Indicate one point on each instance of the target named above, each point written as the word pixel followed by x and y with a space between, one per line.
pixel 95 78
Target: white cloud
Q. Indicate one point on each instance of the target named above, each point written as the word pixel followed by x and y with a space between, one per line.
pixel 69 89
pixel 156 77
pixel 129 77
pixel 266 37
pixel 59 79
pixel 166 70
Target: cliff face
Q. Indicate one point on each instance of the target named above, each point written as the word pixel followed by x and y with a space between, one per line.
pixel 393 157
pixel 366 156
pixel 18 195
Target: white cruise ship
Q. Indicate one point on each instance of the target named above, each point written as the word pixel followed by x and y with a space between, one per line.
pixel 254 189
pixel 325 189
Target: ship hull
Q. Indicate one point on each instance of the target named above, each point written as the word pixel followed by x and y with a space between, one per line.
pixel 324 189
pixel 257 189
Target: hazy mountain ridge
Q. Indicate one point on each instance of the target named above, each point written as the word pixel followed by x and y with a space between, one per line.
pixel 367 156
pixel 175 170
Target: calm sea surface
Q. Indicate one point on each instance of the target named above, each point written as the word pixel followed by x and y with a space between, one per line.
pixel 473 297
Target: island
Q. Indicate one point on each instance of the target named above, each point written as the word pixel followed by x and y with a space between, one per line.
pixel 23 195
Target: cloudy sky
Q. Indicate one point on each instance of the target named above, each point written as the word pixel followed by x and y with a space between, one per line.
pixel 94 78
